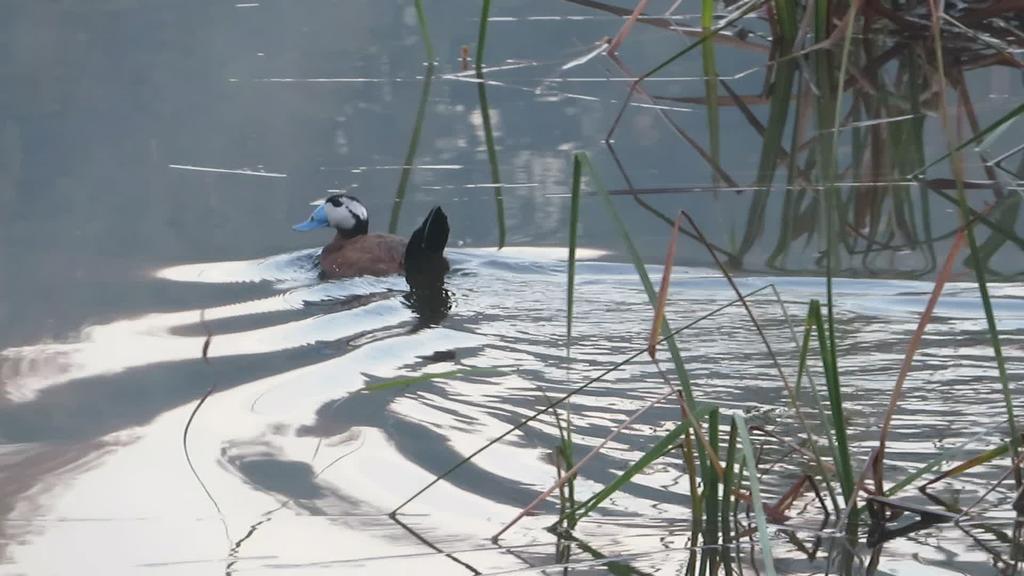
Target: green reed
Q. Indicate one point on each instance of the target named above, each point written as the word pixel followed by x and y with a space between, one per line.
pixel 421 21
pixel 414 141
pixel 815 105
pixel 492 156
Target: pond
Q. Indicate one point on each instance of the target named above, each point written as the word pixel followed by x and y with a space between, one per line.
pixel 182 394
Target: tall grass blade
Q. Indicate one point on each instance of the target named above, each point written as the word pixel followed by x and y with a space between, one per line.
pixel 791 393
pixel 809 326
pixel 421 20
pixel 574 219
pixel 641 270
pixel 707 20
pixel 619 38
pixel 666 444
pixel 485 112
pixel 993 330
pixel 666 280
pixel 915 341
pixel 727 490
pixel 786 18
pixel 492 155
pixel 481 36
pixel 998 124
pixel 956 164
pixel 712 504
pixel 742 11
pixel 835 398
pixel 779 105
pixel 755 493
pixel 686 398
pixel 944 456
pixel 410 154
pixel 571 472
pixel 563 399
pixel 983 458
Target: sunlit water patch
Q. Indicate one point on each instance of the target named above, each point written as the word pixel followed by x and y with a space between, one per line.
pixel 300 463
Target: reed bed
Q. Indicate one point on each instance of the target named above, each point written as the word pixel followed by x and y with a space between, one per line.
pixel 849 89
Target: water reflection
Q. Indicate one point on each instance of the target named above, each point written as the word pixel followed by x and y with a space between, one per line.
pixel 208 121
pixel 290 442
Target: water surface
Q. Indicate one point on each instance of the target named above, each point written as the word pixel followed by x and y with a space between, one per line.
pixel 152 159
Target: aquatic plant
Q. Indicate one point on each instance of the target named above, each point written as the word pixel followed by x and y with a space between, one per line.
pixel 852 85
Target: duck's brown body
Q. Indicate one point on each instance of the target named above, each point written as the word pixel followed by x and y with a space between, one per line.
pixel 365 255
pixel 355 252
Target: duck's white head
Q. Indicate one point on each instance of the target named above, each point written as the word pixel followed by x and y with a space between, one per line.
pixel 343 212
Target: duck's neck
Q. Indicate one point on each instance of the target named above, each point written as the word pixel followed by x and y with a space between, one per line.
pixel 339 242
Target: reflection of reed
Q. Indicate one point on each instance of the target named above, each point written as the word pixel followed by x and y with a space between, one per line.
pixel 485 116
pixel 861 117
pixel 410 155
pixel 492 155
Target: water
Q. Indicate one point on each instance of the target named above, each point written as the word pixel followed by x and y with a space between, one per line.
pixel 153 158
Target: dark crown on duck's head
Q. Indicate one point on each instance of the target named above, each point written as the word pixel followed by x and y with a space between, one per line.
pixel 343 212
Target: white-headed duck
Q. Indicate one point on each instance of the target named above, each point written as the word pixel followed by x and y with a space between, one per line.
pixel 356 252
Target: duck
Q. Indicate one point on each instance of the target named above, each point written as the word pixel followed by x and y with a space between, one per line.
pixel 355 252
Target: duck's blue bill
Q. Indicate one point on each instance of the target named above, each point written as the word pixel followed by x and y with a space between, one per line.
pixel 318 219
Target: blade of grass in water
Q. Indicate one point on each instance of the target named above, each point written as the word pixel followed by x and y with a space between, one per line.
pixel 983 458
pixel 574 217
pixel 782 92
pixel 993 329
pixel 707 20
pixel 786 17
pixel 485 112
pixel 696 503
pixel 619 38
pixel 725 23
pixel 727 489
pixel 666 444
pixel 771 147
pixel 755 494
pixel 492 156
pixel 990 129
pixel 565 433
pixel 842 456
pixel 638 265
pixel 937 461
pixel 686 399
pixel 410 154
pixel 481 37
pixel 712 508
pixel 978 266
pixel 421 19
pixel 912 346
pixel 767 345
pixel 569 515
pixel 666 278
pixel 562 399
pixel 828 119
pixel 821 20
pixel 427 377
pixel 809 326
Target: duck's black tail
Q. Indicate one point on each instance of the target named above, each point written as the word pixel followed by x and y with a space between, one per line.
pixel 426 245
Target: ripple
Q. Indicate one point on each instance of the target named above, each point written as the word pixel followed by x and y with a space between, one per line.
pixel 292 433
